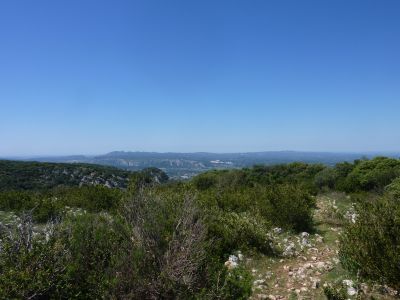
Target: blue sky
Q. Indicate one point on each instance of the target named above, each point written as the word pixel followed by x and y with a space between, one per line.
pixel 90 77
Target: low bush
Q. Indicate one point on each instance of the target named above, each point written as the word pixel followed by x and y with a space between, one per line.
pixel 72 259
pixel 394 188
pixel 170 231
pixel 239 218
pixel 237 285
pixel 370 247
pixel 17 200
pixel 238 231
pixel 326 178
pixel 288 206
pixel 95 243
pixel 46 205
pixel 333 293
pixel 31 266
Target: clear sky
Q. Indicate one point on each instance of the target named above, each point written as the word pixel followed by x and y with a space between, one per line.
pixel 88 77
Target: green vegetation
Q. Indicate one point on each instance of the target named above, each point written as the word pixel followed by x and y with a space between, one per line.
pixel 19 175
pixel 160 239
pixel 362 175
pixel 46 205
pixel 370 246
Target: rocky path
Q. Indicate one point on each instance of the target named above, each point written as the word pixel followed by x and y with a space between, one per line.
pixel 307 260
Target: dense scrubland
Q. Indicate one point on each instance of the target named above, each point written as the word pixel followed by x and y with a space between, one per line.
pixel 154 238
pixel 19 175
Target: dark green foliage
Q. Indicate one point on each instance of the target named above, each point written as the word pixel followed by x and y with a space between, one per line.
pixel 394 188
pixel 156 175
pixel 362 175
pixel 326 178
pixel 91 198
pixel 242 205
pixel 18 200
pixel 231 231
pixel 204 182
pixel 371 246
pixel 146 178
pixel 71 260
pixel 289 206
pixel 227 284
pixel 42 205
pixel 94 244
pixel 18 175
pixel 30 267
pixel 294 173
pixel 342 170
pixel 160 248
pixel 372 174
pixel 237 285
pixel 335 294
pixel 49 204
pixel 284 205
pixel 50 201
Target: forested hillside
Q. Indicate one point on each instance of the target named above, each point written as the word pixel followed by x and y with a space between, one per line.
pixel 40 176
pixel 287 231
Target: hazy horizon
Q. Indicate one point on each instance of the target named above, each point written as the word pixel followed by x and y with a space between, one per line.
pixel 182 76
pixel 52 155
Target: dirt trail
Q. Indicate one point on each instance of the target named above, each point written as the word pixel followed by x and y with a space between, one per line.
pixel 301 275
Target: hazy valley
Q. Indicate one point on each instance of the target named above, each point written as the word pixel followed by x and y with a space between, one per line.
pixel 187 165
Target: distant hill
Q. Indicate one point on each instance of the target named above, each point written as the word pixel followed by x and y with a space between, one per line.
pixel 186 165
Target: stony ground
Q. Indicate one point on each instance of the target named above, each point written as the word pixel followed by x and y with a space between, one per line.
pixel 309 261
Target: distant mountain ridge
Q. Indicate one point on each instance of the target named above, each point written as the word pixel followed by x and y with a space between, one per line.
pixel 186 165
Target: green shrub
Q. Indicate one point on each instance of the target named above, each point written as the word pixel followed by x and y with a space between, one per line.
pixel 46 208
pixel 237 285
pixel 31 266
pixel 94 243
pixel 284 205
pixel 42 206
pixel 326 178
pixel 238 231
pixel 288 206
pixel 17 200
pixel 227 284
pixel 229 199
pixel 91 198
pixel 394 188
pixel 50 204
pixel 169 228
pixel 333 293
pixel 294 173
pixel 204 181
pixel 342 170
pixel 146 178
pixel 372 174
pixel 69 260
pixel 370 247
